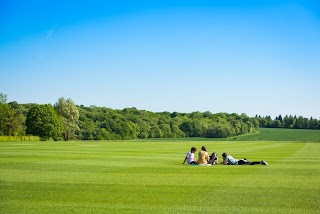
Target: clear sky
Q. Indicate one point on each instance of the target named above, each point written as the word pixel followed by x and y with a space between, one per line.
pixel 249 56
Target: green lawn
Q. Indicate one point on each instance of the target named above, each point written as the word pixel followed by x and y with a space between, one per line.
pixel 148 177
pixel 281 134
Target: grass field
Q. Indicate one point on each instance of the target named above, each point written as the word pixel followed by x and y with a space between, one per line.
pixel 148 177
pixel 281 134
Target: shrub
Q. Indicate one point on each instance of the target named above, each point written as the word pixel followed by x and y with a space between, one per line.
pixel 18 138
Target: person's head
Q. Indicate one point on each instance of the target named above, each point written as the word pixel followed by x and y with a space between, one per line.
pixel 193 149
pixel 203 148
pixel 224 154
pixel 213 154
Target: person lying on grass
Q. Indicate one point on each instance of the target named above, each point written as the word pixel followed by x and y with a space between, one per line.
pixel 229 160
pixel 190 156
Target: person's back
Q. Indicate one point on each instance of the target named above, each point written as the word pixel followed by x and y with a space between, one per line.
pixel 231 160
pixel 203 156
pixel 228 159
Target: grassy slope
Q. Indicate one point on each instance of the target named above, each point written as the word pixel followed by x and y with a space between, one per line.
pixel 148 177
pixel 273 134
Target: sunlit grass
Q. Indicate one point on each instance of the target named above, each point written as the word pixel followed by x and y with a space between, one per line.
pixel 148 177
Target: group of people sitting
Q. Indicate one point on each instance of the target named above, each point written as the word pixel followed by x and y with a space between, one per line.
pixel 205 159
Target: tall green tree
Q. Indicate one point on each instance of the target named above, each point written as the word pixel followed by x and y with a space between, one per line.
pixel 276 124
pixel 289 121
pixel 166 130
pixel 192 128
pixel 313 124
pixel 176 131
pixel 88 129
pixel 299 123
pixel 143 129
pixel 70 117
pixel 10 121
pixel 155 132
pixel 43 121
pixel 3 98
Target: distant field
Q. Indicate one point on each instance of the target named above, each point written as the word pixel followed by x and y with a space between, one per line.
pixel 148 177
pixel 279 134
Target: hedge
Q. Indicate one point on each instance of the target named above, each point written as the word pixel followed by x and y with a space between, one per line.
pixel 18 138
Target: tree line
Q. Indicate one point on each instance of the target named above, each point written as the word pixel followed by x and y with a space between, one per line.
pixel 98 123
pixel 66 121
pixel 291 122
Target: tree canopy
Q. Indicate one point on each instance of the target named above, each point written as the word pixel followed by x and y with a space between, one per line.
pixel 70 116
pixel 68 121
pixel 43 121
pixel 10 121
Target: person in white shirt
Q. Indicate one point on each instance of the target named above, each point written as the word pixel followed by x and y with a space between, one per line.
pixel 190 156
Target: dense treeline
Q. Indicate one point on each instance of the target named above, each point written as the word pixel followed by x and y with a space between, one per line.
pixel 98 123
pixel 66 121
pixel 292 122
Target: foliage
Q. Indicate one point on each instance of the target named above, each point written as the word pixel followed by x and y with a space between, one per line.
pixel 11 120
pixel 8 120
pixel 18 138
pixel 3 98
pixel 101 123
pixel 131 123
pixel 43 121
pixel 70 117
pixel 292 122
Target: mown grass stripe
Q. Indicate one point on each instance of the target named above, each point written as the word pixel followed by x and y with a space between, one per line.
pixel 148 177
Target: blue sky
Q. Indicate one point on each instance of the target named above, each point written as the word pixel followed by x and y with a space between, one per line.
pixel 251 56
